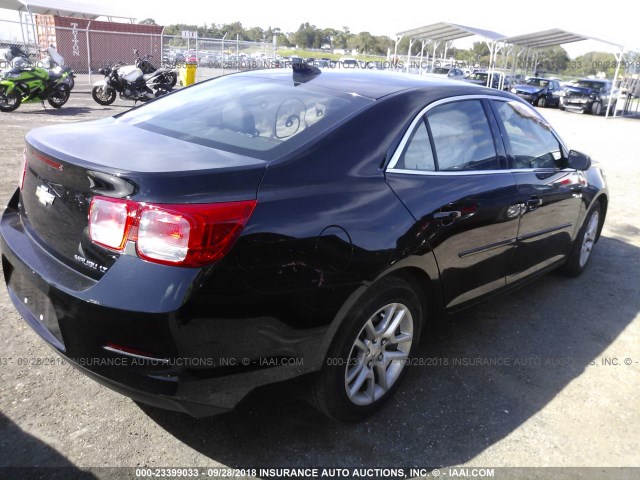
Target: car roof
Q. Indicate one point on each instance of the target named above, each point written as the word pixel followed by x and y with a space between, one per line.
pixel 372 84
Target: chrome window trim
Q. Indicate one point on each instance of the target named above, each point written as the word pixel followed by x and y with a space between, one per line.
pixel 479 172
pixel 454 173
pixel 395 158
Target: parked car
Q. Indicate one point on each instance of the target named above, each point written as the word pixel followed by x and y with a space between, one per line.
pixel 587 95
pixel 498 80
pixel 350 63
pixel 447 72
pixel 321 64
pixel 291 229
pixel 543 92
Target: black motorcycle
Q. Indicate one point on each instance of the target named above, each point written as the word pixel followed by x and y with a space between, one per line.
pixel 130 82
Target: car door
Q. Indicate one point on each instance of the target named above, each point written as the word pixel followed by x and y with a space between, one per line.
pixel 451 174
pixel 549 194
pixel 554 92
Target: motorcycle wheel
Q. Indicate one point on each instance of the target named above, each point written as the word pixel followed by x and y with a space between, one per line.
pixel 9 101
pixel 103 95
pixel 59 96
pixel 174 79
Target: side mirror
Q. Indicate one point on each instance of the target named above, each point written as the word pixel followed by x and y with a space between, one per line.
pixel 578 160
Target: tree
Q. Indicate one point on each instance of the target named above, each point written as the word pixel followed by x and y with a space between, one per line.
pixel 592 63
pixel 307 36
pixel 147 21
pixel 233 30
pixel 552 59
pixel 363 42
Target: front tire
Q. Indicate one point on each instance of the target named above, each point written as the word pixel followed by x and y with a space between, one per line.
pixel 368 356
pixel 583 244
pixel 59 96
pixel 9 101
pixel 542 102
pixel 596 108
pixel 103 95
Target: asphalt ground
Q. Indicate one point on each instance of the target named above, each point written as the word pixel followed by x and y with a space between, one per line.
pixel 547 376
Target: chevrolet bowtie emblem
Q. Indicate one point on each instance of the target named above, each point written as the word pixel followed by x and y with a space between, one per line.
pixel 44 196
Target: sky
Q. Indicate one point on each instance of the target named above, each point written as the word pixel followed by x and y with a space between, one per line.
pixel 618 22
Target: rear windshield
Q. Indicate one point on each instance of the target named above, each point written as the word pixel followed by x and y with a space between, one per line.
pixel 258 117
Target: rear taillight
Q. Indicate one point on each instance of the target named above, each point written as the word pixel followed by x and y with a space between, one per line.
pixel 23 169
pixel 184 235
pixel 110 220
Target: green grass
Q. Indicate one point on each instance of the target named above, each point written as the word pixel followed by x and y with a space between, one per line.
pixel 287 52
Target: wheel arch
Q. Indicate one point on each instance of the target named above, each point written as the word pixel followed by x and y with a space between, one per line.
pixel 603 199
pixel 426 285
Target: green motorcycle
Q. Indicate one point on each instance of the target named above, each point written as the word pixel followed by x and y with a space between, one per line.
pixel 26 83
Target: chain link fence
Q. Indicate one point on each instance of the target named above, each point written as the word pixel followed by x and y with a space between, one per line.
pixel 87 47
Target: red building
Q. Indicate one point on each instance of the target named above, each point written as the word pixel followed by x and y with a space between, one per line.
pixel 84 42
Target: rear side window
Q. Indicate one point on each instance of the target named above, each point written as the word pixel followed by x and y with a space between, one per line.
pixel 258 117
pixel 462 138
pixel 418 154
pixel 532 143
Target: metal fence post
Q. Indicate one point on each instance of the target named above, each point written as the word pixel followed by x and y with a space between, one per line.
pixel 88 51
pixel 162 47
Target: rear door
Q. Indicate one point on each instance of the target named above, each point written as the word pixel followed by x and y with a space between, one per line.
pixel 451 174
pixel 549 194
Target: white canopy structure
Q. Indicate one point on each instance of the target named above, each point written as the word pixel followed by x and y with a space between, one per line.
pixel 64 8
pixel 445 32
pixel 557 36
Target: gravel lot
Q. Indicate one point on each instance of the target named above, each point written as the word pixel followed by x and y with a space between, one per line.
pixel 553 403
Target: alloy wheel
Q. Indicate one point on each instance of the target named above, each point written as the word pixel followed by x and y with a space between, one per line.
pixel 589 238
pixel 379 354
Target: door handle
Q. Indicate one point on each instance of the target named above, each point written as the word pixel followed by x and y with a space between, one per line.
pixel 447 218
pixel 533 203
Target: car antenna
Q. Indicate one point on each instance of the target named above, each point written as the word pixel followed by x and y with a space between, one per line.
pixel 303 72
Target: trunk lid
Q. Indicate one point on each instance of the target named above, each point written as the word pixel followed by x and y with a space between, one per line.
pixel 67 165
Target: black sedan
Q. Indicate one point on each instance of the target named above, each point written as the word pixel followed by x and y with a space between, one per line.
pixel 543 92
pixel 275 225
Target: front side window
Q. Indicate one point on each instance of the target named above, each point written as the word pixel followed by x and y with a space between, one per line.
pixel 533 145
pixel 451 137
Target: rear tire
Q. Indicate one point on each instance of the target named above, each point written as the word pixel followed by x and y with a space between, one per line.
pixel 174 79
pixel 59 96
pixel 9 101
pixel 583 245
pixel 367 358
pixel 103 95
